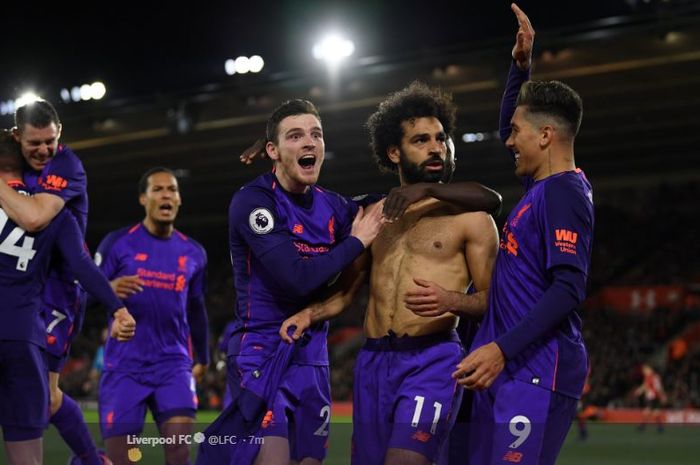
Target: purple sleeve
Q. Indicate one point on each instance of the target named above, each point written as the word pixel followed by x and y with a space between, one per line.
pixel 254 219
pixel 568 224
pixel 104 258
pixel 93 281
pixel 566 292
pixel 516 78
pixel 199 328
pixel 64 176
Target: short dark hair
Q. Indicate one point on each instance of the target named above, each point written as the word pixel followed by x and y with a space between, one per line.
pixel 10 152
pixel 418 100
pixel 38 114
pixel 555 100
pixel 289 108
pixel 143 182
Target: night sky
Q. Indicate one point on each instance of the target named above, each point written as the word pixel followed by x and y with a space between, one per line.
pixel 138 49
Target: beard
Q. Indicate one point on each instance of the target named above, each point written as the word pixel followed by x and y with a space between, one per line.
pixel 414 173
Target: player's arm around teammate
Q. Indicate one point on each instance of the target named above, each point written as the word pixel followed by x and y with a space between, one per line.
pixel 339 297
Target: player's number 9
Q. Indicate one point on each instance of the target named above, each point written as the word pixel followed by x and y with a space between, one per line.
pixel 520 427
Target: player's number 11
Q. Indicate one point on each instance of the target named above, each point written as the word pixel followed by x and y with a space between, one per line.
pixel 419 408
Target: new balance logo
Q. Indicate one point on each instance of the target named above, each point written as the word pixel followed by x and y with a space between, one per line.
pixel 421 436
pixel 267 420
pixel 141 257
pixel 513 457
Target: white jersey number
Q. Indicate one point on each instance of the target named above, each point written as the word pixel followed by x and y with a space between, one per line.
pixel 58 317
pixel 326 415
pixel 9 246
pixel 419 408
pixel 520 427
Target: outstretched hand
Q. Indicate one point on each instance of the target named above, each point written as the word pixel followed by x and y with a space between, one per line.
pixel 524 39
pixel 367 223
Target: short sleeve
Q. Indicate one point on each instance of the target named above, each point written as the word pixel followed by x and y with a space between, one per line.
pixel 106 257
pixel 64 176
pixel 568 225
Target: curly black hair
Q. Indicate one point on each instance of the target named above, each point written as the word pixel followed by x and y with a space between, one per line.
pixel 417 100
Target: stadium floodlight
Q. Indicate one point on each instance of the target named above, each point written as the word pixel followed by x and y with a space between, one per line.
pixel 333 48
pixel 26 98
pixel 75 94
pixel 85 92
pixel 470 137
pixel 256 63
pixel 230 67
pixel 7 108
pixel 242 65
pixel 65 95
pixel 98 90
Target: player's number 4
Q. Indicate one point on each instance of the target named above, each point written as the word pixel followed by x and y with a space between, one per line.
pixel 9 246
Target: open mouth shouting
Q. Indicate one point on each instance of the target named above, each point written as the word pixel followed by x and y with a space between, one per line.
pixel 307 163
pixel 166 209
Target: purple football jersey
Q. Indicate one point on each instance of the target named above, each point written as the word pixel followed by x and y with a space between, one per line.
pixel 24 266
pixel 552 225
pixel 65 177
pixel 172 270
pixel 312 231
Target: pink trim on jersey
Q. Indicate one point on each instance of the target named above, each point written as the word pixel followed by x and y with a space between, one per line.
pixel 182 236
pixel 245 333
pixel 134 228
pixel 556 367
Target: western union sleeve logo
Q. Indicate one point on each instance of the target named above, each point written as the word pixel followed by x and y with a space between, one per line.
pixel 566 240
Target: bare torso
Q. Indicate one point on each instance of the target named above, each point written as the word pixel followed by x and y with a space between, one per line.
pixel 426 242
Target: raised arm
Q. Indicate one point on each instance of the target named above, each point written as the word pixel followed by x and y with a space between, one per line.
pixel 519 70
pixel 339 297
